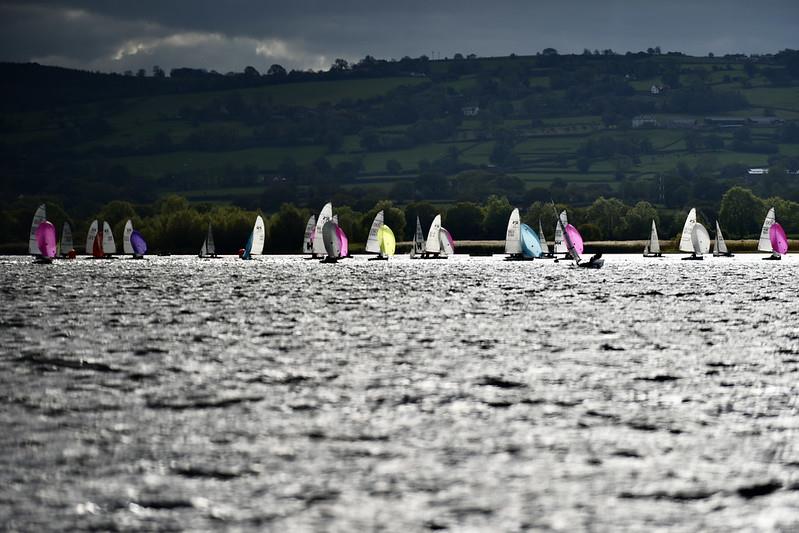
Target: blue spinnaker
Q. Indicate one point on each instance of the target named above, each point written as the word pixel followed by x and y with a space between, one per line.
pixel 531 246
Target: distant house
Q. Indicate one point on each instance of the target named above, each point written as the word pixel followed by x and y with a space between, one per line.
pixel 765 121
pixel 655 90
pixel 726 122
pixel 757 171
pixel 470 111
pixel 681 123
pixel 644 121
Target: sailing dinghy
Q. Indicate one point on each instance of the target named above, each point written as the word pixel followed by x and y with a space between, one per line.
pixel 307 242
pixel 574 246
pixel 652 249
pixel 255 244
pixel 331 239
pixel 45 242
pixel 719 246
pixel 133 242
pixel 38 217
pixel 381 240
pixel 418 246
pixel 208 249
pixel 439 243
pixel 547 253
pixel 65 248
pixel 127 247
pixel 560 246
pixel 775 244
pixel 109 246
pixel 521 242
pixel 687 243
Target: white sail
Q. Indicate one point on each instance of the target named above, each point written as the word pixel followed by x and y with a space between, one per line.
pixel 764 244
pixel 654 242
pixel 127 247
pixel 204 249
pixel 210 248
pixel 513 243
pixel 542 238
pixel 332 243
pixel 109 246
pixel 372 243
pixel 445 241
pixel 560 243
pixel 686 244
pixel 258 236
pixel 433 243
pixel 721 246
pixel 307 243
pixel 39 217
pixel 324 216
pixel 700 240
pixel 90 237
pixel 66 239
pixel 418 240
pixel 335 219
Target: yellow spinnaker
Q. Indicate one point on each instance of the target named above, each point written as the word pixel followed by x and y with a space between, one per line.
pixel 386 239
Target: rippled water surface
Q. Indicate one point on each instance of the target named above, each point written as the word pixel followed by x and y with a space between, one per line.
pixel 468 394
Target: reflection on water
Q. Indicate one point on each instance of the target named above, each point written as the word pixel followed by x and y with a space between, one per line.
pixel 179 393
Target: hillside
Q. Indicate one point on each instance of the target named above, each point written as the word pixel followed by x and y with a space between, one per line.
pixel 663 128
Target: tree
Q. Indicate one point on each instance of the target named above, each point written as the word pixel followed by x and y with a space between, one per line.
pixel 251 72
pixel 636 224
pixel 495 221
pixel 340 65
pixel 393 166
pixel 425 211
pixel 465 221
pixel 740 212
pixel 285 227
pixel 276 71
pixel 607 214
pixel 158 72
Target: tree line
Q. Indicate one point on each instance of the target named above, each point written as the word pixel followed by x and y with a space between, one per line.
pixel 174 225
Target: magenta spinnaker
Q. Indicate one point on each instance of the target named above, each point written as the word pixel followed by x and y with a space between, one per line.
pixel 343 241
pixel 576 238
pixel 45 238
pixel 779 241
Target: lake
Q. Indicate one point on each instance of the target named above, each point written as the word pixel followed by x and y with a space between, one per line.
pixel 469 394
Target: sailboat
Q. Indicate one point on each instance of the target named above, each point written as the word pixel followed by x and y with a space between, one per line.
pixel 381 239
pixel 719 246
pixel 255 244
pixel 108 245
pixel 772 241
pixel 331 239
pixel 547 253
pixel 575 247
pixel 38 217
pixel 418 247
pixel 325 216
pixel 687 241
pixel 560 243
pixel 127 247
pixel 521 242
pixel 652 249
pixel 94 242
pixel 65 247
pixel 45 242
pixel 307 241
pixel 439 244
pixel 208 249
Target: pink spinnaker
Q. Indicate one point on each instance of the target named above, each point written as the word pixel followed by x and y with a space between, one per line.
pixel 576 238
pixel 779 241
pixel 344 242
pixel 45 238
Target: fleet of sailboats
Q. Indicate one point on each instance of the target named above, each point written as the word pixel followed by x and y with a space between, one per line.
pixel 324 237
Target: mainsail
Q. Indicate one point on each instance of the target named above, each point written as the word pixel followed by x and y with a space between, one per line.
pixel 513 244
pixel 700 240
pixel 90 238
pixel 109 246
pixel 324 217
pixel 331 240
pixel 373 243
pixel 543 238
pixel 654 241
pixel 418 240
pixel 66 239
pixel 446 242
pixel 686 243
pixel 210 248
pixel 720 245
pixel 126 245
pixel 433 242
pixel 764 244
pixel 258 236
pixel 307 242
pixel 38 218
pixel 561 246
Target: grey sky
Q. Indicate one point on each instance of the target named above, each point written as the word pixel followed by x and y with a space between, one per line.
pixel 113 35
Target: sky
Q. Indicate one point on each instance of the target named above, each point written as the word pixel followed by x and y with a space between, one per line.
pixel 119 35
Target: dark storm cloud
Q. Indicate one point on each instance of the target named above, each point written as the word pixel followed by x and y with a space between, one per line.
pixel 310 34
